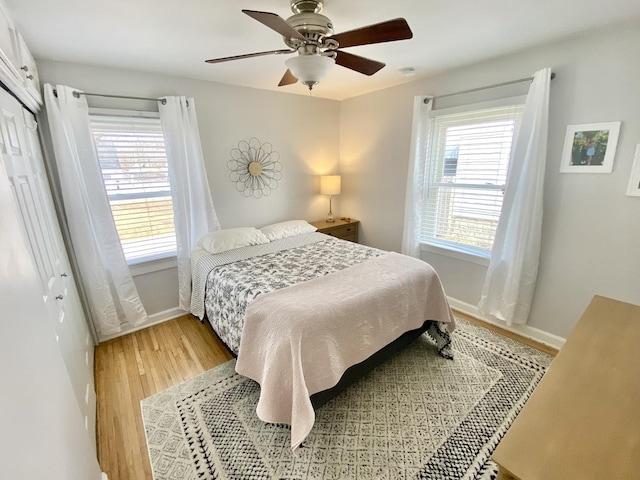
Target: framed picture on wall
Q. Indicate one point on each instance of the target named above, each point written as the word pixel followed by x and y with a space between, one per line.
pixel 633 190
pixel 590 148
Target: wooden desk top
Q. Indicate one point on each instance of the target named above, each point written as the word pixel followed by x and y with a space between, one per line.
pixel 583 420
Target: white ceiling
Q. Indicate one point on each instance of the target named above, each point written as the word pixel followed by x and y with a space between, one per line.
pixel 175 37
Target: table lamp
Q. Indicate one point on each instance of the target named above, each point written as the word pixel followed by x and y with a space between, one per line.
pixel 330 185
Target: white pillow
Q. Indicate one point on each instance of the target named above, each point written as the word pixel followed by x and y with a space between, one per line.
pixel 230 238
pixel 280 230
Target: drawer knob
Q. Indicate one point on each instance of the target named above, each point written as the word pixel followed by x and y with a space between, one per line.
pixel 25 68
pixel 59 297
pixel 30 77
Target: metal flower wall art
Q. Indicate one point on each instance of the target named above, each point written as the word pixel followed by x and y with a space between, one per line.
pixel 255 168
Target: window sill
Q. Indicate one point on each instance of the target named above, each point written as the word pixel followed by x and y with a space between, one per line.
pixel 457 254
pixel 153 266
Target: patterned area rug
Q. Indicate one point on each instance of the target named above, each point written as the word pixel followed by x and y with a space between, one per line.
pixel 417 415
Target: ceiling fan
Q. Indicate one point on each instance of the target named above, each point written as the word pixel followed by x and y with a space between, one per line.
pixel 310 34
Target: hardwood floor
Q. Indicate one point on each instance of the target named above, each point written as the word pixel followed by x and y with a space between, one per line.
pixel 506 333
pixel 137 365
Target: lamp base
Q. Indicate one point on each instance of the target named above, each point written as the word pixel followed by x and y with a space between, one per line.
pixel 330 218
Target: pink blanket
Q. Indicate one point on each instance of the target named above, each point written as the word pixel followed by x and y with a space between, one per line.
pixel 299 340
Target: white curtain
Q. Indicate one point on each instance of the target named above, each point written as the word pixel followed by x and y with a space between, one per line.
pixel 112 295
pixel 194 214
pixel 416 177
pixel 510 282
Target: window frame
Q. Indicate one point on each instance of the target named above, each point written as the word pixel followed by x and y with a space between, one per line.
pixel 460 251
pixel 149 263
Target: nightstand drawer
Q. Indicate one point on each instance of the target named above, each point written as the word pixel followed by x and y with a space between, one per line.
pixel 352 237
pixel 344 228
pixel 343 231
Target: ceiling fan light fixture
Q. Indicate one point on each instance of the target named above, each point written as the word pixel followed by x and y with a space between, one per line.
pixel 310 34
pixel 310 69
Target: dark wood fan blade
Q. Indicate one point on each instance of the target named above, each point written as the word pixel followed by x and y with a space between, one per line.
pixel 390 31
pixel 358 63
pixel 249 55
pixel 275 22
pixel 287 79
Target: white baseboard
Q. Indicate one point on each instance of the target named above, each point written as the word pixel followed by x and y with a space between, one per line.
pixel 104 476
pixel 526 331
pixel 154 319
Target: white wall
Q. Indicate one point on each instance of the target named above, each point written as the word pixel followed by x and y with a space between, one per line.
pixel 303 130
pixel 591 229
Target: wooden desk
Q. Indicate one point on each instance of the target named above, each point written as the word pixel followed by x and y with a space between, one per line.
pixel 583 420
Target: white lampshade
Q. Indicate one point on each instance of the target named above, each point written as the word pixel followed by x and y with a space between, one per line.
pixel 330 185
pixel 310 69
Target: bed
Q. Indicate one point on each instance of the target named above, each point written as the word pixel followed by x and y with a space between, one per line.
pixel 308 313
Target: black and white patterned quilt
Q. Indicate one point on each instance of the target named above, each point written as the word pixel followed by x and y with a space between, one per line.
pixel 231 287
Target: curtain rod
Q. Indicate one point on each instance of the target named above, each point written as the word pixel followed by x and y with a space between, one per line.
pixel 486 87
pixel 161 100
pixel 77 95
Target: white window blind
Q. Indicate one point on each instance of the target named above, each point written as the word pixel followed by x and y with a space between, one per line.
pixel 467 166
pixel 134 168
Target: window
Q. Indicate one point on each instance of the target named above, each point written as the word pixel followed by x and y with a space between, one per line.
pixel 467 165
pixel 133 161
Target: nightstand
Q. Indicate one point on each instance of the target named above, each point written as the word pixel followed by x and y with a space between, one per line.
pixel 344 229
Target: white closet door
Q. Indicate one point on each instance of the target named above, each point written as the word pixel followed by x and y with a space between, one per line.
pixel 22 157
pixel 43 436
